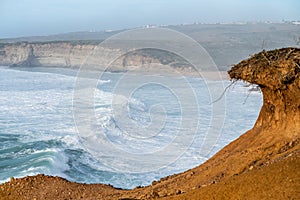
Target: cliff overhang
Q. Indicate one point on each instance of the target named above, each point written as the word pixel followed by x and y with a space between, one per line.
pixel 277 73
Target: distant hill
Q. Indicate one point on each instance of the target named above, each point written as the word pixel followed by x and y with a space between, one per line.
pixel 226 43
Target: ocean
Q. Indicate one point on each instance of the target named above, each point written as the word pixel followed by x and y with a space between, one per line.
pixel 132 140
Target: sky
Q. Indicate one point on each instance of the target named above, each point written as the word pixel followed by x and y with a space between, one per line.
pixel 45 17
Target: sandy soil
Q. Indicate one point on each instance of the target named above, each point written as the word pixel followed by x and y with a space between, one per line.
pixel 279 180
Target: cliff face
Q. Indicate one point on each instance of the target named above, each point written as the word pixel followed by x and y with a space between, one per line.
pixel 14 54
pixel 277 73
pixel 73 55
pixel 60 54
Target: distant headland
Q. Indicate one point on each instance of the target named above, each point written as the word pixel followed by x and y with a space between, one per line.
pixel 226 43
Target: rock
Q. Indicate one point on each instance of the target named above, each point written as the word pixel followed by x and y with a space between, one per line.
pixel 155 182
pixel 189 175
pixel 178 192
pixel 154 194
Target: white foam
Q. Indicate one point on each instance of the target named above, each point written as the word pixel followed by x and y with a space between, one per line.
pixel 38 106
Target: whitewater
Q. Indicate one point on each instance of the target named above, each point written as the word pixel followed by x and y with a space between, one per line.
pixel 38 133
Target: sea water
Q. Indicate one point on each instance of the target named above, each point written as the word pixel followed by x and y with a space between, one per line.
pixel 38 132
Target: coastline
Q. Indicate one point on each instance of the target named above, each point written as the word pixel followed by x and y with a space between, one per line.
pixel 208 75
pixel 255 183
pixel 270 148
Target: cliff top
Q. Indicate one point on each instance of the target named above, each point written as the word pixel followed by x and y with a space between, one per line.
pixel 274 69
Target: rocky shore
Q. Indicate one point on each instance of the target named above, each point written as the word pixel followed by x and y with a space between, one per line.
pixel 263 163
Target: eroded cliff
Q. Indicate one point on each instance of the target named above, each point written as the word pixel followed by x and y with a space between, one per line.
pixel 74 54
pixel 277 73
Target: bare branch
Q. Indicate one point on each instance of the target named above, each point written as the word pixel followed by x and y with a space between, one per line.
pixel 218 99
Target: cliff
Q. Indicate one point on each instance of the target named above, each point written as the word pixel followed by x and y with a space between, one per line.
pixel 261 164
pixel 277 73
pixel 74 54
pixel 44 54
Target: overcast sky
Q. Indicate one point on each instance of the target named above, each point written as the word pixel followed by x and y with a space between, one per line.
pixel 44 17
